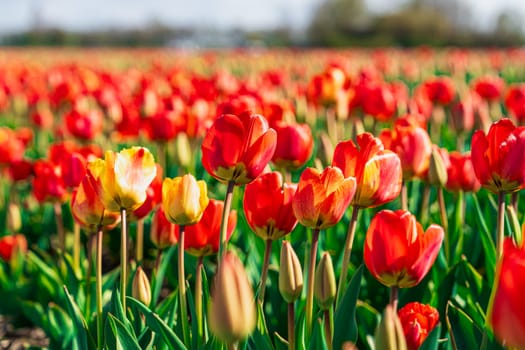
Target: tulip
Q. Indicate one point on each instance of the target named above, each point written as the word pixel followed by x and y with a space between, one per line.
pixel 85 125
pixel 141 289
pixel 48 183
pixel 14 218
pixel 505 313
pixel 489 87
pixel 515 102
pixel 417 320
pixel 461 176
pixel 439 90
pixel 294 145
pixel 11 246
pixel 232 313
pixel 325 288
pixel 397 252
pixel 163 232
pixel 389 333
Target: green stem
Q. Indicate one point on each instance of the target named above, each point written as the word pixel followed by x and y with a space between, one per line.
pixel 123 256
pixel 57 207
pixel 444 221
pixel 139 251
pixel 328 328
pixel 76 247
pixel 198 297
pixel 404 196
pixel 291 326
pixel 394 292
pixel 182 289
pixel 264 273
pixel 311 277
pixel 346 255
pixel 224 221
pixel 98 277
pixel 424 204
pixel 501 223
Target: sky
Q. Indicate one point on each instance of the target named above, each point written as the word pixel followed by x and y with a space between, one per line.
pixel 83 15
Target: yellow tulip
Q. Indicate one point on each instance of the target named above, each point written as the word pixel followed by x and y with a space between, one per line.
pixel 184 199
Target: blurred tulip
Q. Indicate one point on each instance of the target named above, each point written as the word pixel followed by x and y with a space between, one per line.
pixel 268 206
pixel 440 90
pixel 48 183
pixel 163 233
pixel 290 274
pixel 232 314
pixel 13 218
pixel 377 171
pixel 85 125
pixel 417 320
pixel 238 148
pixel 515 102
pixel 461 175
pixel 499 157
pixel 397 252
pixel 141 289
pixel 20 170
pixel 11 245
pixel 12 147
pixel 163 126
pixel 379 101
pixel 321 199
pixel 438 167
pixel 122 179
pixel 389 333
pixel 505 313
pixel 184 199
pixel 489 87
pixel 462 114
pixel 153 197
pixel 294 145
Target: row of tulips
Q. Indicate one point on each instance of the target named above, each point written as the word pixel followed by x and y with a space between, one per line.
pixel 124 188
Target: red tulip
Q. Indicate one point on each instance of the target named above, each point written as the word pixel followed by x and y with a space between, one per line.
pixel 417 320
pixel 515 102
pixel 238 148
pixel 489 87
pixel 499 157
pixel 440 90
pixel 85 125
pixel 268 206
pixel 462 114
pixel 294 145
pixel 163 126
pixel 20 170
pixel 48 182
pixel 163 233
pixel 321 199
pixel 377 171
pixel 461 176
pixel 506 312
pixel 11 245
pixel 397 252
pixel 378 100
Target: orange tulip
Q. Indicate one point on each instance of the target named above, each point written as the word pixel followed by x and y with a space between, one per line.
pixel 377 171
pixel 238 148
pixel 499 157
pixel 506 311
pixel 322 198
pixel 268 206
pixel 11 245
pixel 417 320
pixel 397 252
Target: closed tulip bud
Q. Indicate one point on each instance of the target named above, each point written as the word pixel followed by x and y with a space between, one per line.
pixel 290 274
pixel 325 288
pixel 389 333
pixel 232 312
pixel 437 168
pixel 184 199
pixel 141 289
pixel 14 218
pixel 184 154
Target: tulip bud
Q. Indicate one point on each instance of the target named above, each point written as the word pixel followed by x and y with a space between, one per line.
pixel 232 313
pixel 141 288
pixel 14 219
pixel 325 288
pixel 290 274
pixel 389 333
pixel 184 152
pixel 437 169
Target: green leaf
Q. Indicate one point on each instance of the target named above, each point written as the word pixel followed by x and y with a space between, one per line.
pixel 280 342
pixel 123 336
pixel 60 325
pixel 157 324
pixel 118 310
pixel 318 340
pixel 82 331
pixel 432 340
pixel 463 332
pixel 487 242
pixel 158 278
pixel 345 325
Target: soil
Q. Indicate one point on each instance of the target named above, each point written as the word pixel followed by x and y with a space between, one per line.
pixel 20 338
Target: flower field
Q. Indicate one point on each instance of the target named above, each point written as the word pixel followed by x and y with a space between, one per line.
pixel 263 199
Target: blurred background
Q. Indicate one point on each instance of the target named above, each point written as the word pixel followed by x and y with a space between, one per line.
pixel 269 23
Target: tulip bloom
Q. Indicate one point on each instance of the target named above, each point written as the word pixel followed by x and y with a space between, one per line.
pixel 184 199
pixel 377 171
pixel 268 206
pixel 489 87
pixel 411 143
pixel 506 311
pixel 294 145
pixel 163 233
pixel 515 102
pixel 397 252
pixel 461 176
pixel 122 179
pixel 238 148
pixel 499 157
pixel 322 198
pixel 417 320
pixel 439 90
pixel 11 245
pixel 48 183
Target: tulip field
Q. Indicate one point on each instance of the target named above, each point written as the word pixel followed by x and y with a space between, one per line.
pixel 262 199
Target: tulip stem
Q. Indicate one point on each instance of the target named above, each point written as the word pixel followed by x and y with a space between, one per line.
pixel 444 221
pixel 224 221
pixel 182 288
pixel 161 150
pixel 394 292
pixel 91 246
pixel 139 248
pixel 264 273
pixel 98 277
pixel 57 207
pixel 348 250
pixel 424 204
pixel 123 256
pixel 291 326
pixel 404 196
pixel 328 328
pixel 501 223
pixel 311 277
pixel 198 297
pixel 76 247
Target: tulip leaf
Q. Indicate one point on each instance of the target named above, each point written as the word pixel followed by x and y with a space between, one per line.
pixel 432 340
pixel 157 324
pixel 82 331
pixel 118 311
pixel 345 325
pixel 367 318
pixel 463 332
pixel 158 277
pixel 318 339
pixel 486 242
pixel 280 342
pixel 124 337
